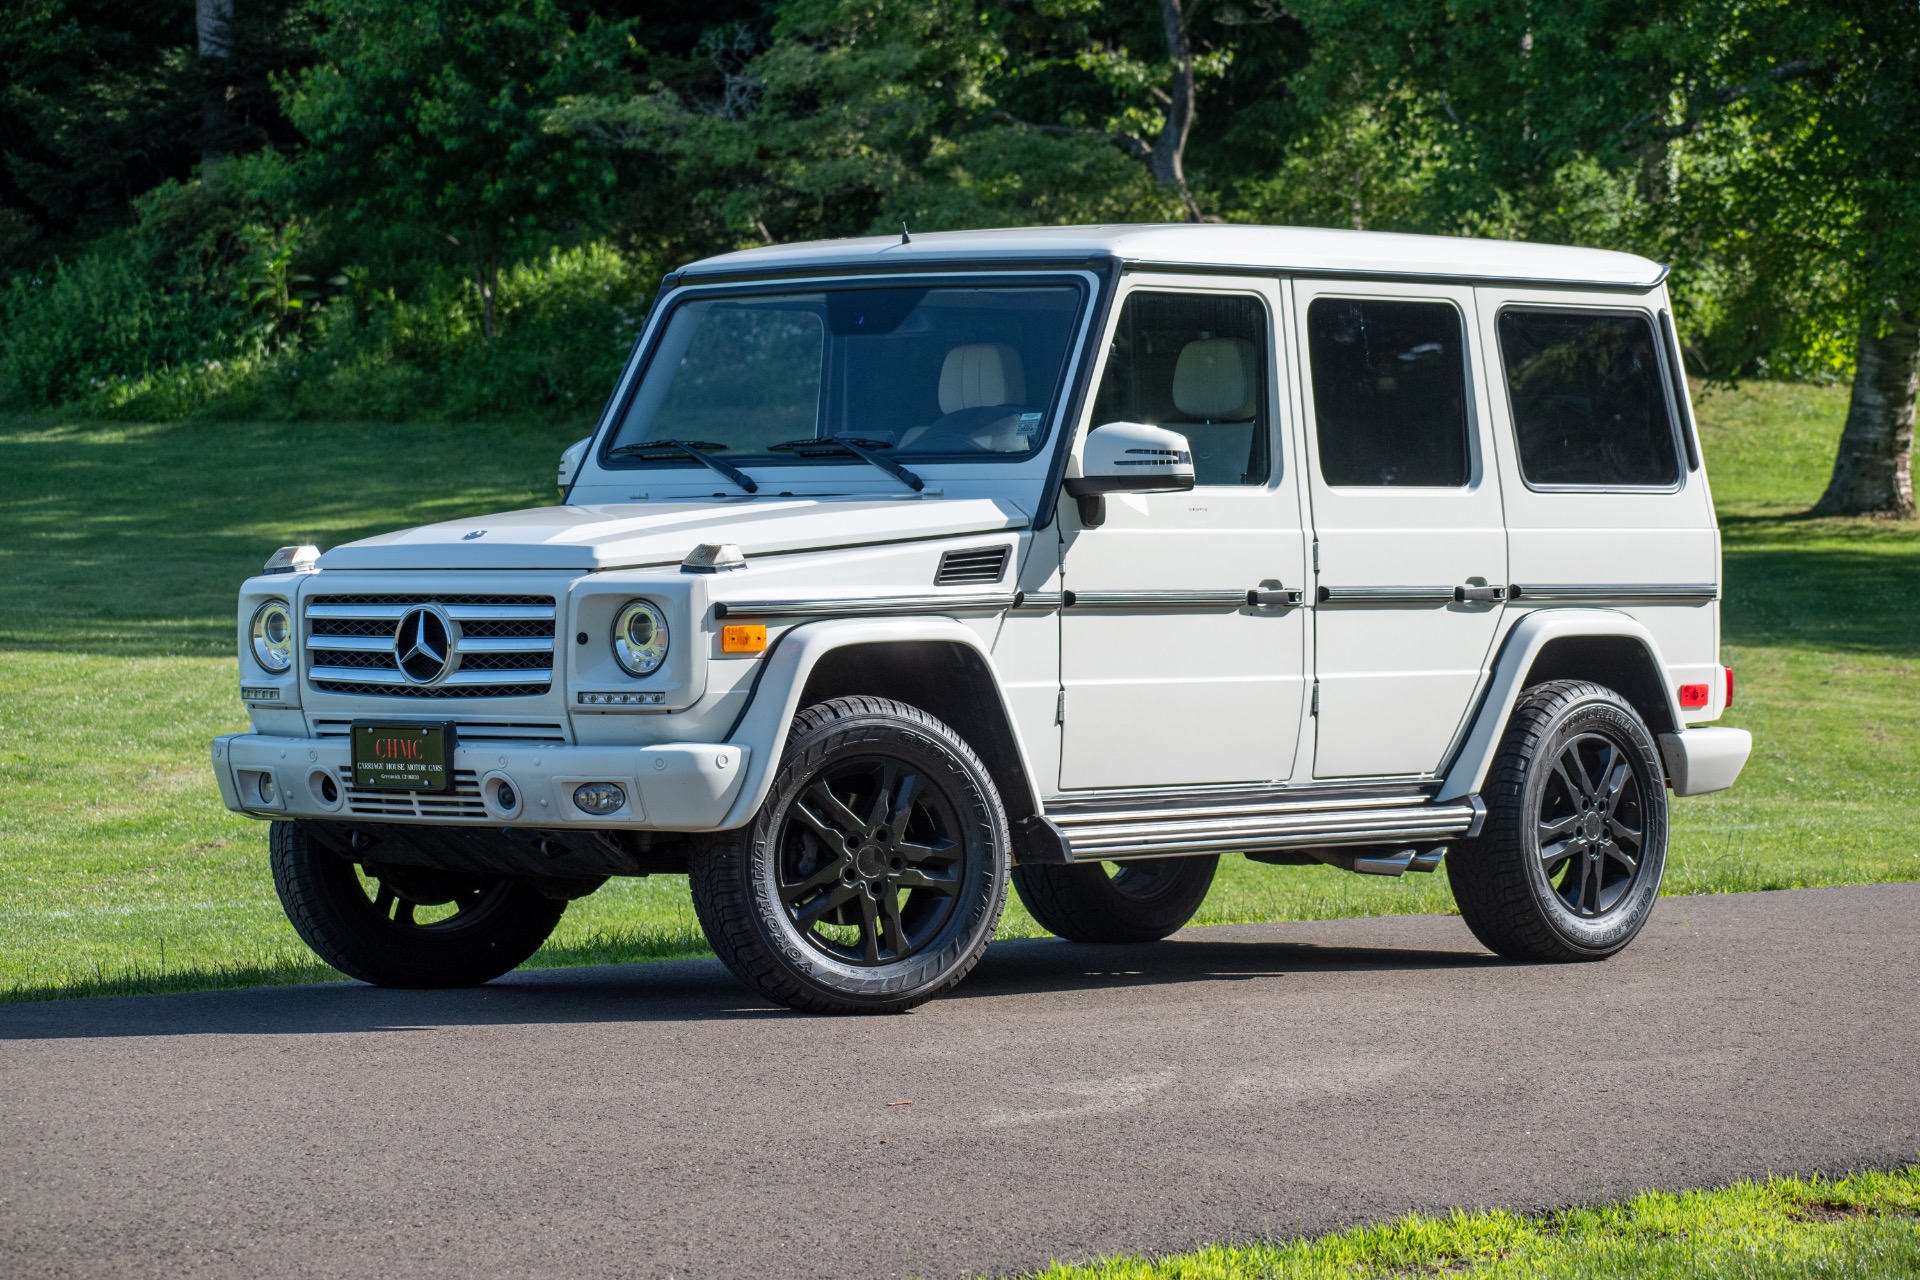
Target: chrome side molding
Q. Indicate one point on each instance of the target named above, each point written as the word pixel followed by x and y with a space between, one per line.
pixel 1616 593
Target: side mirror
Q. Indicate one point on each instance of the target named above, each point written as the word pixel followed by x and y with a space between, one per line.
pixel 570 460
pixel 1128 457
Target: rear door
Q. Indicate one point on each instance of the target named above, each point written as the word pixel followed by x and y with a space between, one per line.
pixel 1410 542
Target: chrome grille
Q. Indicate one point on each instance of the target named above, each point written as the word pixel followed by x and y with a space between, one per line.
pixel 463 801
pixel 504 648
pixel 468 731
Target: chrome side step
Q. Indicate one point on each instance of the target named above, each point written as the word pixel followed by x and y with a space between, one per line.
pixel 1412 821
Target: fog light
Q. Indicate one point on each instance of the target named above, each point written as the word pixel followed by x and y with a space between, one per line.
pixel 598 797
pixel 266 788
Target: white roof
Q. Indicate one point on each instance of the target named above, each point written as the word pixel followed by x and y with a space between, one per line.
pixel 1306 250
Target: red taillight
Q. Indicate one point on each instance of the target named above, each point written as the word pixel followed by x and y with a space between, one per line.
pixel 1729 671
pixel 1694 695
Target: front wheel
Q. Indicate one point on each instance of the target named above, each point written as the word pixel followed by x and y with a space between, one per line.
pixel 406 926
pixel 873 875
pixel 1138 901
pixel 1569 864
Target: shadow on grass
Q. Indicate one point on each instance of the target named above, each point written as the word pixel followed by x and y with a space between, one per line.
pixel 1832 593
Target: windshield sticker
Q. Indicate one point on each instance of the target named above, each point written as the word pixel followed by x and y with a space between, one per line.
pixel 1029 425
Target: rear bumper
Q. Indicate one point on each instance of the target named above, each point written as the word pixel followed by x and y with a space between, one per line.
pixel 672 787
pixel 1704 759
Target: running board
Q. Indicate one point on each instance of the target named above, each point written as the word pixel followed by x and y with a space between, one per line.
pixel 1305 824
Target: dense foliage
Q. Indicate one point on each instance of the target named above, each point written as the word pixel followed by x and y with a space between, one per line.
pixel 455 207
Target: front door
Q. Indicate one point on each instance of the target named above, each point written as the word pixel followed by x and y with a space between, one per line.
pixel 1411 545
pixel 1170 676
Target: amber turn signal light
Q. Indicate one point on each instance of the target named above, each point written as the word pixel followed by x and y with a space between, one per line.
pixel 743 639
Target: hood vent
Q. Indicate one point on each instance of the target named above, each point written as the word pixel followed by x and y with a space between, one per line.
pixel 972 567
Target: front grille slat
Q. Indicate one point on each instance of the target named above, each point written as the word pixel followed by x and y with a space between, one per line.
pixel 463 801
pixel 466 731
pixel 504 648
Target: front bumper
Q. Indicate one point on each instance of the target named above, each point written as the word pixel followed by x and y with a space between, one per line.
pixel 670 787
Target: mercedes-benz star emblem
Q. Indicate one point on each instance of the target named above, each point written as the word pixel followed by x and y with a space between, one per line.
pixel 423 647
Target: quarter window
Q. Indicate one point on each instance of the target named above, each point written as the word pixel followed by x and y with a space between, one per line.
pixel 1389 392
pixel 1195 363
pixel 1589 405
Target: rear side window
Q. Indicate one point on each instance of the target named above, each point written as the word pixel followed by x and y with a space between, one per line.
pixel 1389 392
pixel 1589 404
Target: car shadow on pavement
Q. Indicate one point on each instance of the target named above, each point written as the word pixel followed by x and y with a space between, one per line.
pixel 683 990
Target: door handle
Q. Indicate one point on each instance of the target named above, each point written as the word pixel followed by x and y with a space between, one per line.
pixel 1272 598
pixel 1479 595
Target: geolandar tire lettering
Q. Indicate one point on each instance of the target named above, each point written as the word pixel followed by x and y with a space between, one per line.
pixel 1575 843
pixel 872 878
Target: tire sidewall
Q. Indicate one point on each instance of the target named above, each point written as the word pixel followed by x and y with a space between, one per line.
pixel 1605 934
pixel 983 830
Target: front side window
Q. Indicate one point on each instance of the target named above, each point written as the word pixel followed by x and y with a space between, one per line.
pixel 1589 404
pixel 1389 392
pixel 959 371
pixel 1196 364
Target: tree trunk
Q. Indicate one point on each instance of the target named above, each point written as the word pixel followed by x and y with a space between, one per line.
pixel 1165 160
pixel 1873 471
pixel 211 19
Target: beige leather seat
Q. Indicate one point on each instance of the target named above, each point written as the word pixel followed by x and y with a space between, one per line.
pixel 982 375
pixel 1216 390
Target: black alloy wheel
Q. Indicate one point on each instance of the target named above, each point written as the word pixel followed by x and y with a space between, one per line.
pixel 1591 825
pixel 400 925
pixel 1142 900
pixel 873 874
pixel 1569 862
pixel 869 869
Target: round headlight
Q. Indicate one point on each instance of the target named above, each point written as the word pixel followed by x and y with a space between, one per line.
pixel 273 636
pixel 640 638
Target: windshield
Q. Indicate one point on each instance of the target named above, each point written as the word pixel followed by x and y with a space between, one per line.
pixel 955 372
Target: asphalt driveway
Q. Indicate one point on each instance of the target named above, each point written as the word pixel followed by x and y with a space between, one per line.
pixel 1067 1101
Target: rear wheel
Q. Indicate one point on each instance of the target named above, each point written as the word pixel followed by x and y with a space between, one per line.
pixel 406 926
pixel 1569 864
pixel 1140 901
pixel 873 875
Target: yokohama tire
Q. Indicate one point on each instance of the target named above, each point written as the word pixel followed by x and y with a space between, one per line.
pixel 1140 901
pixel 1569 864
pixel 874 874
pixel 497 924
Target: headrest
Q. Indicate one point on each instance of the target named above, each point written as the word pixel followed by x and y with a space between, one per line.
pixel 1213 379
pixel 986 373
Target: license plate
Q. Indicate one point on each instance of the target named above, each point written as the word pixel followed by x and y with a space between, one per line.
pixel 402 757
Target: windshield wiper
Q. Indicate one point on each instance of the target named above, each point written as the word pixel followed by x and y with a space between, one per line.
pixel 694 449
pixel 856 447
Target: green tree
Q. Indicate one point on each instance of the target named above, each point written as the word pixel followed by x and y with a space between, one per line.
pixel 425 115
pixel 1771 138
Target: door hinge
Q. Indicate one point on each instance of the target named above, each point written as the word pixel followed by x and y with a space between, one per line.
pixel 1315 710
pixel 1060 708
pixel 1316 555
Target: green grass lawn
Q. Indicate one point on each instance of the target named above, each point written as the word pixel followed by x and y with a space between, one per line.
pixel 1866 1226
pixel 121 546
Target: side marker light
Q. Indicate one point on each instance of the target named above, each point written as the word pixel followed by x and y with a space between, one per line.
pixel 1694 695
pixel 744 638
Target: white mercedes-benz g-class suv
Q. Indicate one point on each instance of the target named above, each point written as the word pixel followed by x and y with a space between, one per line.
pixel 899 571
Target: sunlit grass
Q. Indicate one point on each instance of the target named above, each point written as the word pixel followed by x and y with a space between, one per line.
pixel 1864 1226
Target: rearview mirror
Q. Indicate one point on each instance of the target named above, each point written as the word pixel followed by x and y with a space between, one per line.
pixel 1128 457
pixel 576 453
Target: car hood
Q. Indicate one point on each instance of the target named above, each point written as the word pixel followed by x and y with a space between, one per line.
pixel 629 535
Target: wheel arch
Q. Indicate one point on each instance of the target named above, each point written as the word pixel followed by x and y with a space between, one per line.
pixel 1601 645
pixel 933 663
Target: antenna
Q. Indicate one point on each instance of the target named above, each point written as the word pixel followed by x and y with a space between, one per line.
pixel 904 237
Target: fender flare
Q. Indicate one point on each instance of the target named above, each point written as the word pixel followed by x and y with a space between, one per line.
pixel 1518 650
pixel 762 727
